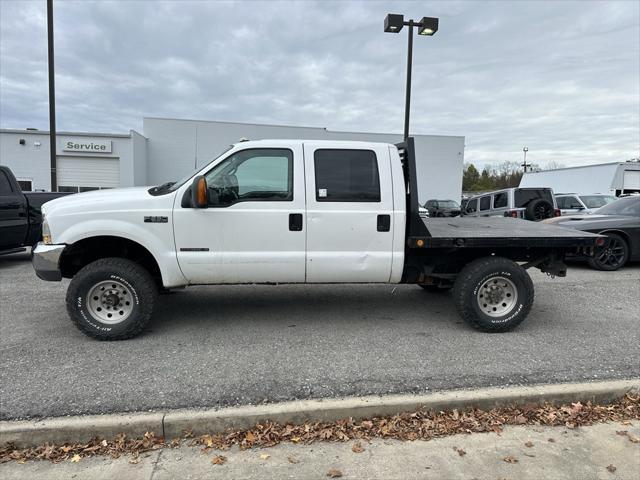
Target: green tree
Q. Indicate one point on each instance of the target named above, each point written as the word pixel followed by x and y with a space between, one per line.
pixel 470 177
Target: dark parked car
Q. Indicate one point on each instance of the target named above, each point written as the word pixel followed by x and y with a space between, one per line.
pixel 442 208
pixel 20 216
pixel 620 221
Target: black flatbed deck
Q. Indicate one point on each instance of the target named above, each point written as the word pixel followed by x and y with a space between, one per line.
pixel 483 232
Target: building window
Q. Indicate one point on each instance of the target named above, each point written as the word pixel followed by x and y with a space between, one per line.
pixel 346 176
pixel 67 188
pixel 25 185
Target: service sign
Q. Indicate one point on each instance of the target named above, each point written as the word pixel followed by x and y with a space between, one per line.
pixel 86 145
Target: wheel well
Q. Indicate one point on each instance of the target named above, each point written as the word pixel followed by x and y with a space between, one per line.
pixel 622 234
pixel 88 250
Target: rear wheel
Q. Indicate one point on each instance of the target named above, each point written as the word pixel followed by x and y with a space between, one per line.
pixel 111 299
pixel 493 294
pixel 611 256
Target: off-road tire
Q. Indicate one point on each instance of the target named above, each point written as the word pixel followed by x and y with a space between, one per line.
pixel 616 259
pixel 139 283
pixel 476 276
pixel 538 209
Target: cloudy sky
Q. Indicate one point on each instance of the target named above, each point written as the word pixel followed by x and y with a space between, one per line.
pixel 561 77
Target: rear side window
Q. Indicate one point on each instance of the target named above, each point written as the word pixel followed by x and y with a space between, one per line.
pixel 346 176
pixel 5 185
pixel 485 203
pixel 500 200
pixel 472 205
pixel 523 196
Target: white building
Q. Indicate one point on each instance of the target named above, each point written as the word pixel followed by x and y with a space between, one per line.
pixel 607 178
pixel 169 149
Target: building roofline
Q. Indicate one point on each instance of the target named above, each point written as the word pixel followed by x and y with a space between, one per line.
pixel 626 162
pixel 290 126
pixel 76 134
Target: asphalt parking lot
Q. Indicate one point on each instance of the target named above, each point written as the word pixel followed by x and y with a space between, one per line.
pixel 210 346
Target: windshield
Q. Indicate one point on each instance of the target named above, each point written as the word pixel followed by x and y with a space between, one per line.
pixel 622 206
pixel 448 204
pixel 173 186
pixel 597 201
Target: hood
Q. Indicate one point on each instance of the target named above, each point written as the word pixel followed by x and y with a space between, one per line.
pixel 592 222
pixel 97 199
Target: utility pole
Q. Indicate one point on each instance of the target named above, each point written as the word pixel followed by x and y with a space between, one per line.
pixel 524 163
pixel 52 98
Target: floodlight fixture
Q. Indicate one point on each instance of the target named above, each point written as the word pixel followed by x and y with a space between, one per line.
pixel 428 26
pixel 393 23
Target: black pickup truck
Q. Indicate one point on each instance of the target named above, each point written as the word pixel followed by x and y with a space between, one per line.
pixel 20 215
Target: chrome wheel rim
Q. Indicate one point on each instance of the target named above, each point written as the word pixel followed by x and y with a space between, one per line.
pixel 497 296
pixel 611 255
pixel 110 302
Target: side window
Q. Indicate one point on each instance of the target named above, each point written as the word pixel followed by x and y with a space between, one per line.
pixel 500 200
pixel 561 202
pixel 260 174
pixel 573 202
pixel 346 176
pixel 485 203
pixel 5 185
pixel 472 205
pixel 429 204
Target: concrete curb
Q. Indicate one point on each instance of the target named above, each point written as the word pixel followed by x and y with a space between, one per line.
pixel 173 423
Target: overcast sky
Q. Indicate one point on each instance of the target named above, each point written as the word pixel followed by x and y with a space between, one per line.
pixel 561 77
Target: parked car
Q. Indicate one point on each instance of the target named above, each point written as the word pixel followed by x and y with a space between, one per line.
pixel 528 203
pixel 20 216
pixel 442 208
pixel 574 204
pixel 289 211
pixel 620 221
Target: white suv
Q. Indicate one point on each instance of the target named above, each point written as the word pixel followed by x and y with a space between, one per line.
pixel 574 204
pixel 528 203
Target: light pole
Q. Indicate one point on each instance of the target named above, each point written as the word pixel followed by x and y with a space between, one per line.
pixel 393 23
pixel 52 98
pixel 524 163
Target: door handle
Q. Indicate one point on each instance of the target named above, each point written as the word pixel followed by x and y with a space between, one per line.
pixel 384 223
pixel 295 222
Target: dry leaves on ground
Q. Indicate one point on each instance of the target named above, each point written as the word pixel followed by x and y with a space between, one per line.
pixel 510 459
pixel 420 424
pixel 293 460
pixel 334 473
pixel 529 444
pixel 357 448
pixel 460 451
pixel 219 460
pixel 611 468
pixel 264 456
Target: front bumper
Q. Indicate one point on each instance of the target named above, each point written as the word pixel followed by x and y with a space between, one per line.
pixel 46 261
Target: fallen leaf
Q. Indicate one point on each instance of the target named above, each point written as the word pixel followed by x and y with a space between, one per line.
pixel 510 459
pixel 134 460
pixel 529 455
pixel 250 437
pixel 528 444
pixel 264 456
pixel 611 468
pixel 219 460
pixel 293 460
pixel 334 473
pixel 104 443
pixel 357 448
pixel 552 440
pixel 75 458
pixel 633 438
pixel 622 433
pixel 295 439
pixel 460 451
pixel 22 461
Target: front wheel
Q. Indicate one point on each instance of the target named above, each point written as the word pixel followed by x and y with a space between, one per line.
pixel 611 256
pixel 493 294
pixel 111 299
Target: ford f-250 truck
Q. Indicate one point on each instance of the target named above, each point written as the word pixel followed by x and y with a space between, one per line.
pixel 289 211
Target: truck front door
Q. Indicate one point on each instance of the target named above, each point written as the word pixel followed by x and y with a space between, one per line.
pixel 253 230
pixel 349 214
pixel 14 222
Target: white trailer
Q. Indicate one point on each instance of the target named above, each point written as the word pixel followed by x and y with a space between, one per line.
pixel 608 178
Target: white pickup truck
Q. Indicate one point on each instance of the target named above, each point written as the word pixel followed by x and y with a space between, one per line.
pixel 289 211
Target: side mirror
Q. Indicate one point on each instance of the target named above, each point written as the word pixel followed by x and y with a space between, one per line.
pixel 199 194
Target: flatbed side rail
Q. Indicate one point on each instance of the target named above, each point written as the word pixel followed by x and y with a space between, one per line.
pixel 415 225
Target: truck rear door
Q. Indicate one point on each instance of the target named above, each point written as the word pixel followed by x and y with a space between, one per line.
pixel 349 213
pixel 13 214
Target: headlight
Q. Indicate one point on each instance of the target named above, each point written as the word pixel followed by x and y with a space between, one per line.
pixel 46 233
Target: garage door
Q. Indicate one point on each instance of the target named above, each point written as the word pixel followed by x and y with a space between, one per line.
pixel 88 172
pixel 631 180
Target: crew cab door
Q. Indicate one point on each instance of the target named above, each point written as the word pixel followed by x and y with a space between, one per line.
pixel 349 214
pixel 253 230
pixel 14 222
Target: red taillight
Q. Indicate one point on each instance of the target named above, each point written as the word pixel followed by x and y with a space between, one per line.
pixel 557 212
pixel 600 241
pixel 511 213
